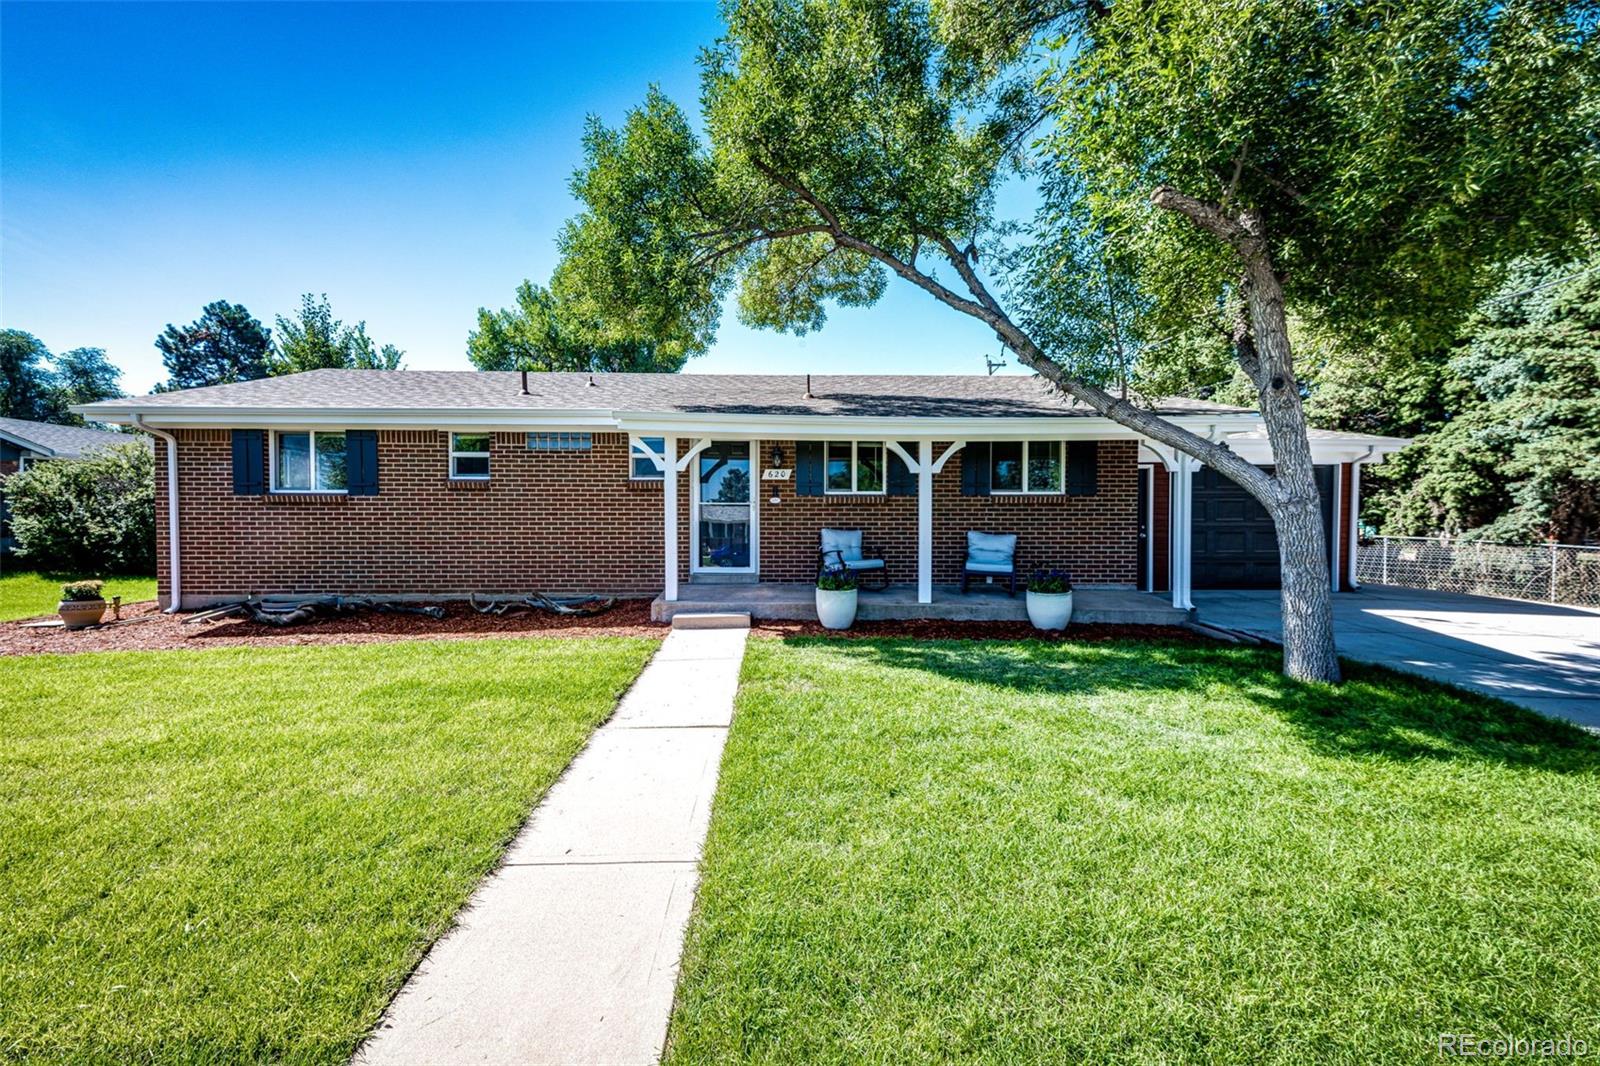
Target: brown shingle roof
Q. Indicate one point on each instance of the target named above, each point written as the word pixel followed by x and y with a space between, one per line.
pixel 871 395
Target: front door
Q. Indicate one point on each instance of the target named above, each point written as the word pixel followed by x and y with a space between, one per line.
pixel 724 509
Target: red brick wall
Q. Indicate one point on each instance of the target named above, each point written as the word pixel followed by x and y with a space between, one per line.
pixel 574 521
pixel 551 521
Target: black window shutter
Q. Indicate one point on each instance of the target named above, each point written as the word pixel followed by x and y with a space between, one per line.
pixel 361 462
pixel 1083 461
pixel 975 468
pixel 808 468
pixel 901 481
pixel 249 462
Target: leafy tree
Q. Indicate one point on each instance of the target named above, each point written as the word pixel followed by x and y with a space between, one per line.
pixel 41 387
pixel 225 344
pixel 1519 459
pixel 95 514
pixel 83 375
pixel 1200 171
pixel 315 340
pixel 548 332
pixel 26 384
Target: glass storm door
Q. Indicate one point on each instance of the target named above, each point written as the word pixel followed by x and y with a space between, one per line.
pixel 724 518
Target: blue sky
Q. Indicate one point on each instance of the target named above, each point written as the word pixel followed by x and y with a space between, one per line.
pixel 410 160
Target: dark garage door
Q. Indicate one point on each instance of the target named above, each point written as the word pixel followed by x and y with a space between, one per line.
pixel 1235 546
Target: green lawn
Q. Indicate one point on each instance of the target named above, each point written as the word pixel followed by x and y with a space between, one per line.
pixel 239 854
pixel 27 593
pixel 1127 852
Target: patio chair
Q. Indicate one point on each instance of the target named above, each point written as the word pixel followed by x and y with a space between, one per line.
pixel 991 555
pixel 841 548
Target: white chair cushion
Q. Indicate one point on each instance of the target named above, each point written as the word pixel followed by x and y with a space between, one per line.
pixel 995 548
pixel 864 564
pixel 988 568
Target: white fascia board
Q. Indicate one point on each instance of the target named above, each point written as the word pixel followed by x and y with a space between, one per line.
pixel 1324 451
pixel 850 427
pixel 486 418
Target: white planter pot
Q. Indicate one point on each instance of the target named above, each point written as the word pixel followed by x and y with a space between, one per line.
pixel 836 609
pixel 1049 610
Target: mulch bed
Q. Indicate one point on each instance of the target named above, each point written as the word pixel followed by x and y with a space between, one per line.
pixel 941 629
pixel 630 618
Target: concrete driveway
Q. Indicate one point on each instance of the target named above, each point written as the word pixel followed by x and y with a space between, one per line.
pixel 1542 656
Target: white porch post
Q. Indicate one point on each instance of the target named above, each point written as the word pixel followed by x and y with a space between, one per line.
pixel 1182 529
pixel 669 511
pixel 1355 520
pixel 925 521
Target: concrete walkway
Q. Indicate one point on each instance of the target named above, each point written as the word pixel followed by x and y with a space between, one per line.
pixel 1543 656
pixel 569 952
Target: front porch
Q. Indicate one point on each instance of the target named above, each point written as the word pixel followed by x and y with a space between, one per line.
pixel 790 601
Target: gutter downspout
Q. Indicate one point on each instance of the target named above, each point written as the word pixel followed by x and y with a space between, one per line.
pixel 173 555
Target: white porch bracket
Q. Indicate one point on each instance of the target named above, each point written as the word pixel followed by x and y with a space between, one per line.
pixel 912 465
pixel 639 444
pixel 945 457
pixel 688 457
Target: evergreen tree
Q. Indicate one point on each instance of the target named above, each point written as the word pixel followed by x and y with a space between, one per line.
pixel 225 344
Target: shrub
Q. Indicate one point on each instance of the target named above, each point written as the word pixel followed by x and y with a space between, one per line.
pixel 836 579
pixel 79 591
pixel 96 514
pixel 1049 581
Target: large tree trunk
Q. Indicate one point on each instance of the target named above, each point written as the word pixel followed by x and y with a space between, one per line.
pixel 1293 500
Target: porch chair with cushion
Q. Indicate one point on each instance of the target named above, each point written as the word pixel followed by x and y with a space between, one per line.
pixel 841 548
pixel 991 555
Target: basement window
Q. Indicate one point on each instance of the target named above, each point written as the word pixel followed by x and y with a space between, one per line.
pixel 310 461
pixel 559 442
pixel 855 468
pixel 469 456
pixel 1025 467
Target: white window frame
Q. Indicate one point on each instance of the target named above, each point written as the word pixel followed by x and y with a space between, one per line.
pixel 855 469
pixel 272 463
pixel 637 450
pixel 1061 484
pixel 455 454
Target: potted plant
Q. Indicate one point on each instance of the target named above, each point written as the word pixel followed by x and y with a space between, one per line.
pixel 836 598
pixel 1050 599
pixel 81 604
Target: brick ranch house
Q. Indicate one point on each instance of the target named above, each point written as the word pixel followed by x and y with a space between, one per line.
pixel 23 442
pixel 442 483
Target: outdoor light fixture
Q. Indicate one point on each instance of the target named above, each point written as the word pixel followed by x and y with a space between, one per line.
pixel 777 456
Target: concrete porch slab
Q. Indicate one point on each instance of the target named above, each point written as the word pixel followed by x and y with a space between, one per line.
pixel 773 601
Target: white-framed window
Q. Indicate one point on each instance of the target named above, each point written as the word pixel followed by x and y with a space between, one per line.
pixel 640 466
pixel 559 442
pixel 854 468
pixel 308 461
pixel 1026 467
pixel 469 456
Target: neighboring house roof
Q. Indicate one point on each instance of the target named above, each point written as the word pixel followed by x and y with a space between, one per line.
pixel 868 395
pixel 58 442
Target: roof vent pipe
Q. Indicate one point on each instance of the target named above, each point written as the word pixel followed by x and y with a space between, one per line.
pixel 524 381
pixel 808 388
pixel 592 385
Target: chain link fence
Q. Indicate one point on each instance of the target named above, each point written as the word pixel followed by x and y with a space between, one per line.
pixel 1549 573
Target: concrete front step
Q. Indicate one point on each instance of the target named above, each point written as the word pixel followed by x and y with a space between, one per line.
pixel 797 603
pixel 697 619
